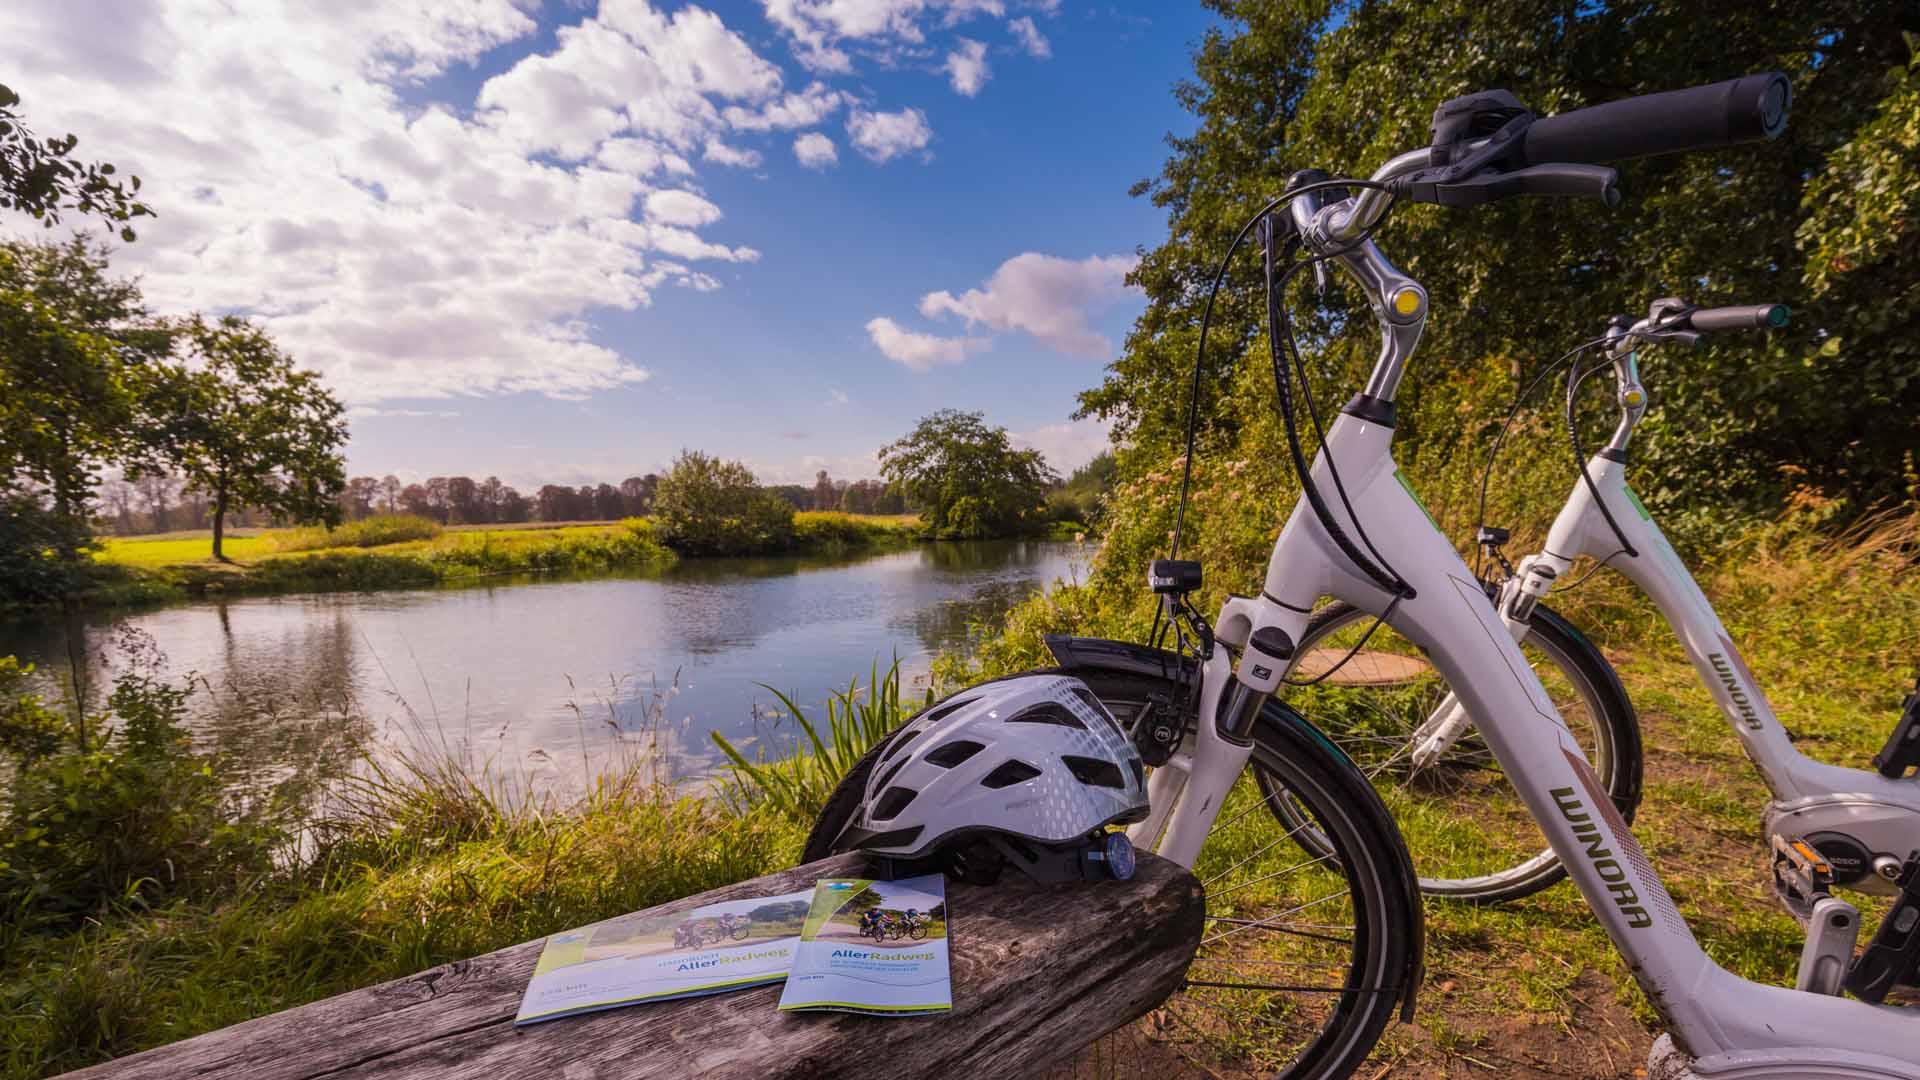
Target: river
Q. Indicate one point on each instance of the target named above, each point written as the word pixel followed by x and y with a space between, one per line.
pixel 540 684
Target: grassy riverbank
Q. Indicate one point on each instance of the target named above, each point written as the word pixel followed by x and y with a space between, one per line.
pixel 179 566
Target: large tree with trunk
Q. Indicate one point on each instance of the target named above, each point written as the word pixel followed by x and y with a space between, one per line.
pixel 250 428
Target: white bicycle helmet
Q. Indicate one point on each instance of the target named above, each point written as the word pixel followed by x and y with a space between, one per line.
pixel 1029 770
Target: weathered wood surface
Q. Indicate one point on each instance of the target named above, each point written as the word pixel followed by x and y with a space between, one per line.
pixel 1038 973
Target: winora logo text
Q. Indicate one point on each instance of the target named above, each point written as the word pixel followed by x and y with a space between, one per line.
pixel 1734 692
pixel 1625 897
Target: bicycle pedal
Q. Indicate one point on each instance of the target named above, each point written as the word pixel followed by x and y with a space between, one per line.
pixel 1802 877
pixel 1892 958
pixel 1901 755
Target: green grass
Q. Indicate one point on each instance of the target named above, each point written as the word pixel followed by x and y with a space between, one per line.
pixel 399 551
pixel 416 867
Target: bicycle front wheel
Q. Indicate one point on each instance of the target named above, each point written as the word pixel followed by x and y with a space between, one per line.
pixel 1305 955
pixel 1470 835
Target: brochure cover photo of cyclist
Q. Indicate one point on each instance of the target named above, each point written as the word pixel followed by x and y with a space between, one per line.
pixel 873 947
pixel 635 958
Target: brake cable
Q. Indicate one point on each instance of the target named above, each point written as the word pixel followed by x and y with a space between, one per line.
pixel 1580 459
pixel 1519 401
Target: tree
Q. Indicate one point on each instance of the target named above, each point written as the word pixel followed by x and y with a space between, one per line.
pixel 706 506
pixel 463 501
pixel 390 488
pixel 637 493
pixel 607 505
pixel 118 493
pixel 825 497
pixel 157 492
pixel 75 347
pixel 414 500
pixel 1275 89
pixel 966 478
pixel 356 501
pixel 40 178
pixel 251 428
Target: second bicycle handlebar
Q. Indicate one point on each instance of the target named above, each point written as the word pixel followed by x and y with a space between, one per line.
pixel 1747 317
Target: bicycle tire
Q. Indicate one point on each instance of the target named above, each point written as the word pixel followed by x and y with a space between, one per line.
pixel 918 933
pixel 1381 954
pixel 1476 843
pixel 740 933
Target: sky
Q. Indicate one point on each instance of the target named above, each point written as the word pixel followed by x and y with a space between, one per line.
pixel 559 242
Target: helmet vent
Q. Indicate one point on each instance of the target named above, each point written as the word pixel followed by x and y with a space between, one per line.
pixel 894 801
pixel 890 774
pixel 952 753
pixel 1139 771
pixel 1010 773
pixel 1048 713
pixel 900 739
pixel 1094 772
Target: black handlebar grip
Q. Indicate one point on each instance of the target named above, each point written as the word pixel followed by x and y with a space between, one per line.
pixel 1749 317
pixel 1748 109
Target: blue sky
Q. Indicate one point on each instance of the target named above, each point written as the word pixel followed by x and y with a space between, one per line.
pixel 464 218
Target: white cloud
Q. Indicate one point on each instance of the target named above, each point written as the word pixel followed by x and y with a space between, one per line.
pixel 884 136
pixel 1043 295
pixel 917 351
pixel 1030 37
pixel 837 397
pixel 804 109
pixel 821 29
pixel 1069 445
pixel 366 412
pixel 815 151
pixel 408 252
pixel 722 154
pixel 966 67
pixel 676 207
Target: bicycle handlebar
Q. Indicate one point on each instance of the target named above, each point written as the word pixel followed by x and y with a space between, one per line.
pixel 1749 317
pixel 1752 108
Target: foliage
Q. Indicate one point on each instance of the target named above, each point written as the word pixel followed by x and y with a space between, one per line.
pixel 35 567
pixel 40 178
pixel 966 478
pixel 827 532
pixel 74 346
pixel 1083 497
pixel 797 787
pixel 706 506
pixel 247 426
pixel 417 865
pixel 367 532
pixel 29 731
pixel 1304 83
pixel 118 810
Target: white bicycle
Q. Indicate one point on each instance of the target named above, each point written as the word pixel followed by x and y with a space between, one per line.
pixel 1828 826
pixel 1314 931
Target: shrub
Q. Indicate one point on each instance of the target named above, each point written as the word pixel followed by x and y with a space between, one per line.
pixel 706 506
pixel 119 808
pixel 369 532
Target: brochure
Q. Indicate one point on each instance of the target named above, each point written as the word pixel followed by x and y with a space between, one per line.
pixel 876 947
pixel 646 957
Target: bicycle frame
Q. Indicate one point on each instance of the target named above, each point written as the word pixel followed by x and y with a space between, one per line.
pixel 1811 798
pixel 1724 1025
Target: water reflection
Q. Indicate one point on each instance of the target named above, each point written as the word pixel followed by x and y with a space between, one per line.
pixel 544 682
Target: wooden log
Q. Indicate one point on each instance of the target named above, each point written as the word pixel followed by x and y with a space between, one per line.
pixel 1038 974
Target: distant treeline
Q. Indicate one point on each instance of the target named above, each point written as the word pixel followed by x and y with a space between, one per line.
pixel 157 502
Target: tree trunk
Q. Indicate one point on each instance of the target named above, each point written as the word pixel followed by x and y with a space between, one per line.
pixel 219 521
